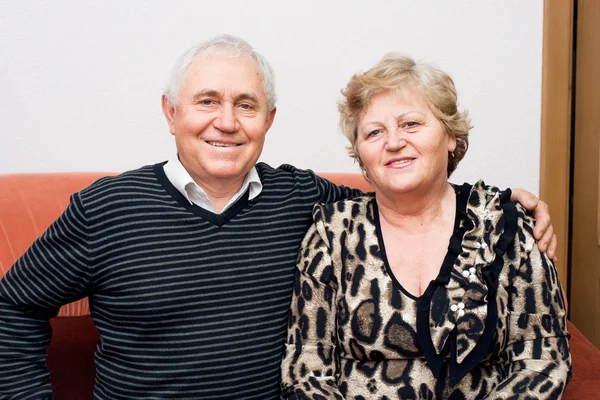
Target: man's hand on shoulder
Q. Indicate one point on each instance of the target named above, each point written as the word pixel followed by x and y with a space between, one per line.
pixel 544 231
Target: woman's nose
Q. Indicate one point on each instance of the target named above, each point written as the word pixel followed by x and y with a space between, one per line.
pixel 395 140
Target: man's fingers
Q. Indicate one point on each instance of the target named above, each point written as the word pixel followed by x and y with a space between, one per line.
pixel 552 248
pixel 546 240
pixel 525 198
pixel 542 222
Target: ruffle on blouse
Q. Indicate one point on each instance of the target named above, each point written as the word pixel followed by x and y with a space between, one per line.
pixel 457 315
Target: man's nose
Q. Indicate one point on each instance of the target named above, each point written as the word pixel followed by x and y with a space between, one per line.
pixel 226 121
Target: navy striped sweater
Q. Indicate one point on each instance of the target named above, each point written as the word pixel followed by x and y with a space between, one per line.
pixel 189 304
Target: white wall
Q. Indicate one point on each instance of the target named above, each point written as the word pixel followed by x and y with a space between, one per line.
pixel 81 80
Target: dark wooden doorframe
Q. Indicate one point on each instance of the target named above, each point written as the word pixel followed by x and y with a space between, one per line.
pixel 556 126
pixel 584 269
pixel 570 151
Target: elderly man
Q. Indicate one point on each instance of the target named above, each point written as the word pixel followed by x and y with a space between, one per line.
pixel 188 264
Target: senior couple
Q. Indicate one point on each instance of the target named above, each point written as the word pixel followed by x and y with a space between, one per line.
pixel 422 289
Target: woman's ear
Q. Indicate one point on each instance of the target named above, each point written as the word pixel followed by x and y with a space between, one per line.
pixel 451 143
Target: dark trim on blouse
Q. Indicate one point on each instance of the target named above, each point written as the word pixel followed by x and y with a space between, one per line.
pixel 490 275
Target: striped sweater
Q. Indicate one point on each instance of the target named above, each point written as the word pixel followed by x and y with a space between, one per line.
pixel 189 304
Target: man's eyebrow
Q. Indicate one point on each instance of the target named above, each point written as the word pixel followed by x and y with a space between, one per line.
pixel 206 93
pixel 214 93
pixel 247 96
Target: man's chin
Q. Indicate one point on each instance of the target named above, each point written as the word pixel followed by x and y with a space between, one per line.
pixel 223 170
pixel 228 174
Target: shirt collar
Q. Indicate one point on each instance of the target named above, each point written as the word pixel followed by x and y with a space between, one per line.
pixel 183 182
pixel 253 181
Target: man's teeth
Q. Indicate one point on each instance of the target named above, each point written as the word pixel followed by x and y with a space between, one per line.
pixel 219 144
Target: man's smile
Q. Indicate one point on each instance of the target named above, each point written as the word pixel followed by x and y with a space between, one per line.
pixel 222 144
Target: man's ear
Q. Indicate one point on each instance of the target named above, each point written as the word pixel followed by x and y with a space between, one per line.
pixel 169 111
pixel 270 118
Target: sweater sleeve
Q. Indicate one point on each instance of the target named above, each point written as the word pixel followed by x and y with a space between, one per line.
pixel 52 272
pixel 538 361
pixel 310 364
pixel 331 193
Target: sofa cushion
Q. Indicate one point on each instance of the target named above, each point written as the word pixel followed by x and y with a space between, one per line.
pixel 585 382
pixel 71 357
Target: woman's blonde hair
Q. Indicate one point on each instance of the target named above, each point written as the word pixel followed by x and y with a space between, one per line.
pixel 399 72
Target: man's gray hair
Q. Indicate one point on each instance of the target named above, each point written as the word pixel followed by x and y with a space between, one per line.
pixel 226 45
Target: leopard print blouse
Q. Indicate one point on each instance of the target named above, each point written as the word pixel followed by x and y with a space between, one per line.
pixel 491 325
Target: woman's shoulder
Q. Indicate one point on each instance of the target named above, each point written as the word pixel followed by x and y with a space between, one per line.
pixel 491 205
pixel 333 221
pixel 501 236
pixel 480 195
pixel 338 211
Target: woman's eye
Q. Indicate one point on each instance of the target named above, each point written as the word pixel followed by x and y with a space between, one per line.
pixel 410 124
pixel 374 133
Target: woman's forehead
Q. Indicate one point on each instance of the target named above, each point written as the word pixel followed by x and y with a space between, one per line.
pixel 409 98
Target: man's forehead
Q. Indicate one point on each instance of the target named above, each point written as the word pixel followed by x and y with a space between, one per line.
pixel 218 73
pixel 221 62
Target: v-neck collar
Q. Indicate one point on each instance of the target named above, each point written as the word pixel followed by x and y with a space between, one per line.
pixel 216 219
pixel 449 258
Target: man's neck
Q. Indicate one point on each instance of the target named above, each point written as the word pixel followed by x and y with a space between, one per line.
pixel 220 193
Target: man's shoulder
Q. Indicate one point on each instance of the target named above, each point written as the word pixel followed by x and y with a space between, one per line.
pixel 140 177
pixel 286 175
pixel 266 170
pixel 130 185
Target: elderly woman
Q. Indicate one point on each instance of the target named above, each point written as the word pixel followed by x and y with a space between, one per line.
pixel 424 289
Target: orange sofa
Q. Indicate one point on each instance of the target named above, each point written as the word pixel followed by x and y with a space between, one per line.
pixel 29 203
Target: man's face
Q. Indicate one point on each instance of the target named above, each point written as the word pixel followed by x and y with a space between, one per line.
pixel 221 119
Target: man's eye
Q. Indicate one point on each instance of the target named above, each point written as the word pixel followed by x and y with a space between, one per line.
pixel 206 102
pixel 247 106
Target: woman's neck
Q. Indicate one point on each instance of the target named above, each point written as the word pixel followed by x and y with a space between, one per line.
pixel 418 211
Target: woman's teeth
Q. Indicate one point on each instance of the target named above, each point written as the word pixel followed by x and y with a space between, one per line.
pixel 401 162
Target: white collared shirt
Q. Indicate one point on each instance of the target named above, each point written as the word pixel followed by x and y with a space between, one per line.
pixel 183 182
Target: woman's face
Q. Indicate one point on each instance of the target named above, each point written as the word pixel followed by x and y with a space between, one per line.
pixel 402 145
